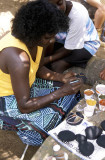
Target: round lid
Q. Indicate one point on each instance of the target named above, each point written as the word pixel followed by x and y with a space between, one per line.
pixel 86 148
pixel 66 136
pixel 93 132
pixel 101 141
pixel 74 118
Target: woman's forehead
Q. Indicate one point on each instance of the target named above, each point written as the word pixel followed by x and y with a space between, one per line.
pixel 54 1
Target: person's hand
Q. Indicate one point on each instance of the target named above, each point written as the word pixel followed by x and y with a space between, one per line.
pixel 102 74
pixel 72 88
pixel 66 77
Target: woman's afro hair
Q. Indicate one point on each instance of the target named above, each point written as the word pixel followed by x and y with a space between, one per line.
pixel 37 18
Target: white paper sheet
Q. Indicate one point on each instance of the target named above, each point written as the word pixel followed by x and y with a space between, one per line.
pixel 99 152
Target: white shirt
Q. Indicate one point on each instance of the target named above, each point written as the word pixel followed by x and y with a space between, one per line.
pixel 82 32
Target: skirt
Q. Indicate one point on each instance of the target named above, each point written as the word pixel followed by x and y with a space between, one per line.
pixel 33 128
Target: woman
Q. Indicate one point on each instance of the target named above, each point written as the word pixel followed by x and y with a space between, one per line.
pixel 29 105
pixel 79 44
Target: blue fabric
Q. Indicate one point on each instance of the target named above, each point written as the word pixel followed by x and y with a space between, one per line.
pixel 92 42
pixel 33 128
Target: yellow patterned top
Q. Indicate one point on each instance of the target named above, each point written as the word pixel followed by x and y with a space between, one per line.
pixel 5 80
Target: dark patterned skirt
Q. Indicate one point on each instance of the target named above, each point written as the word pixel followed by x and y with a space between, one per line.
pixel 33 128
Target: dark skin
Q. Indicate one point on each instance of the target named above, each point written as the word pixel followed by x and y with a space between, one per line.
pixel 56 57
pixel 16 62
pixel 65 6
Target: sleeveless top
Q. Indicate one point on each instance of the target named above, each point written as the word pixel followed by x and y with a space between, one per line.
pixel 5 80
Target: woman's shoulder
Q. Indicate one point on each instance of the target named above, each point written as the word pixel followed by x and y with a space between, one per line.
pixel 10 41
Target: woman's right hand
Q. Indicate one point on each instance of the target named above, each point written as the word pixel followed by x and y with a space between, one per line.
pixel 72 88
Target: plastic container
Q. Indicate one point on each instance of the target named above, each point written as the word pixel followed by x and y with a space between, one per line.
pixel 58 153
pixel 91 103
pixel 50 158
pixel 88 112
pixel 102 104
pixel 88 94
pixel 100 89
pixel 101 96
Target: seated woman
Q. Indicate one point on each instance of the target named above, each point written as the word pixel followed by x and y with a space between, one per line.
pixel 32 106
pixel 80 42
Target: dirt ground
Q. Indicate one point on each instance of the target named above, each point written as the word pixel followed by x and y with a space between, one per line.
pixel 11 147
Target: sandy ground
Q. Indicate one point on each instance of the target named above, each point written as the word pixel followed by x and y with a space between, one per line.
pixel 11 147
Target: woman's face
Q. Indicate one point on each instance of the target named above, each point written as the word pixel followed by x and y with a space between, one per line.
pixel 46 39
pixel 60 4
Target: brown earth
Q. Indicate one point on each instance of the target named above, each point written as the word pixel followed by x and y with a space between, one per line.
pixel 11 147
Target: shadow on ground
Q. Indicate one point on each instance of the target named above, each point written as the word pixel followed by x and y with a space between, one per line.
pixel 11 147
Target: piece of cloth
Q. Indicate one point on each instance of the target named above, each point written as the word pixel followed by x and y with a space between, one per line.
pixel 81 33
pixel 78 57
pixel 5 80
pixel 33 128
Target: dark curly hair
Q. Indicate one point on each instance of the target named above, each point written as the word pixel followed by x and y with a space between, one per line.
pixel 37 18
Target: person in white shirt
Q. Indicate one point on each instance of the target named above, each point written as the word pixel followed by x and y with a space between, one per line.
pixel 79 44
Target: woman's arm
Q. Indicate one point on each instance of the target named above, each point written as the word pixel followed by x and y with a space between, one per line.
pixel 60 53
pixel 18 65
pixel 47 74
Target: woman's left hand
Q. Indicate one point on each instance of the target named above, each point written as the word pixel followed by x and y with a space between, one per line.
pixel 67 76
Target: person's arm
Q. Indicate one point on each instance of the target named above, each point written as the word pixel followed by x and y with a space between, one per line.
pixel 94 3
pixel 47 74
pixel 60 53
pixel 17 64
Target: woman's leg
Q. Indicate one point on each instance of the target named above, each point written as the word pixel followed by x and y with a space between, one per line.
pixel 78 58
pixel 33 128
